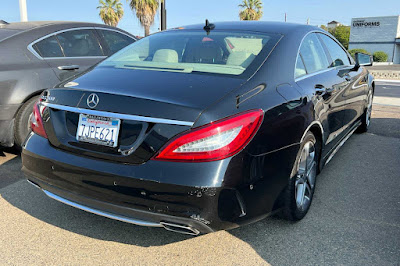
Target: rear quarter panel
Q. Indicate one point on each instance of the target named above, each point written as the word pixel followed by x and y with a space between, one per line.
pixel 22 75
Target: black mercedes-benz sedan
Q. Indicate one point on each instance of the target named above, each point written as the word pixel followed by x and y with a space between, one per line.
pixel 38 55
pixel 201 128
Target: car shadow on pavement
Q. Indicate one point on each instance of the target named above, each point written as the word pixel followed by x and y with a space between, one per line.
pixel 10 165
pixel 387 127
pixel 32 201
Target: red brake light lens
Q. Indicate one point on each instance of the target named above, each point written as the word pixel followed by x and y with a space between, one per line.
pixel 36 120
pixel 215 141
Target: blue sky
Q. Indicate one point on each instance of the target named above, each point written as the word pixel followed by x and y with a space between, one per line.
pixel 183 12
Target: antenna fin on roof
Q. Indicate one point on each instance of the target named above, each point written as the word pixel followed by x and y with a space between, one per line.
pixel 208 27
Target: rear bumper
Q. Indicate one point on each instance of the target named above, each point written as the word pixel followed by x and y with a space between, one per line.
pixel 128 215
pixel 138 194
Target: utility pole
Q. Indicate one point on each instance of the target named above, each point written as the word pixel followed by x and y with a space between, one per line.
pixel 22 10
pixel 159 14
pixel 163 15
pixel 308 21
pixel 285 17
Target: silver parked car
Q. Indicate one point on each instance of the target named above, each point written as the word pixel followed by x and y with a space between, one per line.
pixel 38 55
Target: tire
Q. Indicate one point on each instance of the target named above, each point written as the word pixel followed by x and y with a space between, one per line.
pixel 299 192
pixel 366 117
pixel 22 124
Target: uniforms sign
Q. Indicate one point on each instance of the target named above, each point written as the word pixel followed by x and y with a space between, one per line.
pixel 363 23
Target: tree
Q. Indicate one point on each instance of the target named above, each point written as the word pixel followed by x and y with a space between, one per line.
pixel 342 34
pixel 111 11
pixel 145 12
pixel 380 56
pixel 324 27
pixel 252 10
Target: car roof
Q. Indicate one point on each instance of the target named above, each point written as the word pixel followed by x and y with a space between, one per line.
pixel 23 26
pixel 260 26
pixel 17 28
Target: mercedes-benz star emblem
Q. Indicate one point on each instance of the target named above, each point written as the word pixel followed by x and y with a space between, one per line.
pixel 93 100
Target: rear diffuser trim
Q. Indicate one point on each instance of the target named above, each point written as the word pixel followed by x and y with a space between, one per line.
pixel 101 213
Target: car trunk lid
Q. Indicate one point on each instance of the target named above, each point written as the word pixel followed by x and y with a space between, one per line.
pixel 152 107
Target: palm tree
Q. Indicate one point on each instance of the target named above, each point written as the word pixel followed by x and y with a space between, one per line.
pixel 111 11
pixel 252 10
pixel 145 12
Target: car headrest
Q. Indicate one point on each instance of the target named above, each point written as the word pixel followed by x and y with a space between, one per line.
pixel 166 55
pixel 240 58
pixel 80 48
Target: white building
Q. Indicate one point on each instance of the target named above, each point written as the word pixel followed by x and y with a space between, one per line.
pixel 333 24
pixel 377 34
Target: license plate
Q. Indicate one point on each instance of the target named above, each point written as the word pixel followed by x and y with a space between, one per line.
pixel 98 130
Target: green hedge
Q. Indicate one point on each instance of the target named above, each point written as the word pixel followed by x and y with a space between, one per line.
pixel 380 56
pixel 354 51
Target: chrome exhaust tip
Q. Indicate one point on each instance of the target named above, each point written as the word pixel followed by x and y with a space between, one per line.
pixel 183 229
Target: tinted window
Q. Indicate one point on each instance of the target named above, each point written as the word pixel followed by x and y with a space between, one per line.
pixel 313 54
pixel 300 69
pixel 186 51
pixel 338 55
pixel 48 47
pixel 79 43
pixel 115 41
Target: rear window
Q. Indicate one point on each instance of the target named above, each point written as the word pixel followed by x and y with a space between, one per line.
pixel 79 43
pixel 115 40
pixel 218 52
pixel 49 47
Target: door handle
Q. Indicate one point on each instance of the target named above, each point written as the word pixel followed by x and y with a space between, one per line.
pixel 320 89
pixel 71 67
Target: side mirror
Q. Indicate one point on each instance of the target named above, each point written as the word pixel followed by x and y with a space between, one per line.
pixel 363 60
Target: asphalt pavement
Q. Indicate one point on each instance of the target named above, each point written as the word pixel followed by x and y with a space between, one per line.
pixel 354 218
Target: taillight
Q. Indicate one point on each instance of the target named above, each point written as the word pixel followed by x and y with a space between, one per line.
pixel 36 120
pixel 215 141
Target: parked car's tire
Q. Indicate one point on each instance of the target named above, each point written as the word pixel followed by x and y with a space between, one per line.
pixel 366 117
pixel 22 124
pixel 300 190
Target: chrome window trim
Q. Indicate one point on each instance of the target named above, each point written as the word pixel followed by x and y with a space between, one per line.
pixel 118 115
pixel 30 46
pixel 99 28
pixel 313 74
pixel 340 45
pixel 75 57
